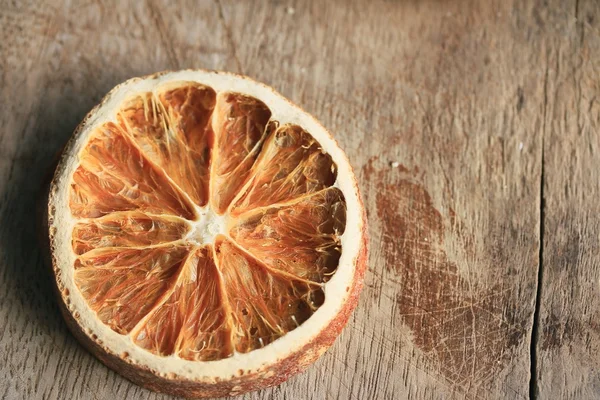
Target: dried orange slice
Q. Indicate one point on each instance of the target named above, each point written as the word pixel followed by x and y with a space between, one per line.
pixel 207 236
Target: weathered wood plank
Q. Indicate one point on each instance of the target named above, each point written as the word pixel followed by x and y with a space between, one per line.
pixel 438 105
pixel 568 341
pixel 441 108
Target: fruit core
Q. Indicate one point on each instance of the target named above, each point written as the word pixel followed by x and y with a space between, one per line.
pixel 207 227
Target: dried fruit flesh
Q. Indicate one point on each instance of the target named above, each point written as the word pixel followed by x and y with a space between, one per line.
pixel 203 226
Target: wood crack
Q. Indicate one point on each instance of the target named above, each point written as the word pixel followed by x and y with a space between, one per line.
pixel 533 388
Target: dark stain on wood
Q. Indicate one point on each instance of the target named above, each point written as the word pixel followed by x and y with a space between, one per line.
pixel 568 256
pixel 561 329
pixel 520 99
pixel 459 323
pixel 555 333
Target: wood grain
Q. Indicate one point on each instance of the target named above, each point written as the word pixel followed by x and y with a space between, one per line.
pixel 449 112
pixel 568 339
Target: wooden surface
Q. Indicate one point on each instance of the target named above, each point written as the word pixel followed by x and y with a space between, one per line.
pixel 568 337
pixel 474 129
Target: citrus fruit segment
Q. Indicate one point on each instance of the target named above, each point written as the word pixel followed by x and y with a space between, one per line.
pixel 301 238
pixel 122 285
pixel 239 123
pixel 192 320
pixel 127 229
pixel 291 164
pixel 114 176
pixel 173 129
pixel 264 305
pixel 207 235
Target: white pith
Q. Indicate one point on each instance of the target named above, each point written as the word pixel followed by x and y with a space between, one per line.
pixel 203 231
pixel 207 227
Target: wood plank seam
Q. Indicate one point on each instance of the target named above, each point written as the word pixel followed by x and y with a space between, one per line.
pixel 533 389
pixel 538 295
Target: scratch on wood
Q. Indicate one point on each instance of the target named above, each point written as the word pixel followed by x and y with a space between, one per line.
pixel 164 37
pixel 446 311
pixel 229 37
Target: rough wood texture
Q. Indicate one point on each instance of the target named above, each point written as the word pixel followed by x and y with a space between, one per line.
pixel 568 340
pixel 455 116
